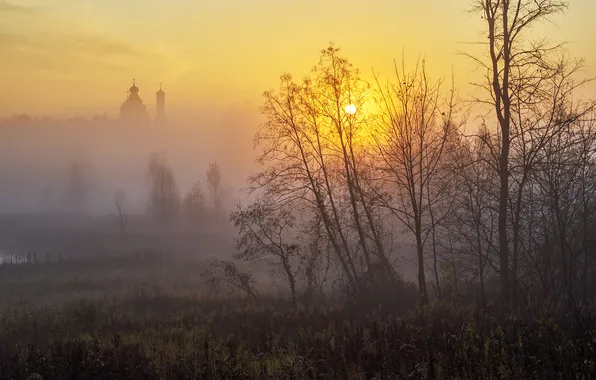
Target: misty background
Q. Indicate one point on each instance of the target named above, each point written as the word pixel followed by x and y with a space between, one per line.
pixel 36 156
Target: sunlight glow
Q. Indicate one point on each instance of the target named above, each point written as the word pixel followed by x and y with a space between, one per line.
pixel 351 109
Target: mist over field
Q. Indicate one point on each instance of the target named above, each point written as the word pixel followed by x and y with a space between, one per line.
pixel 36 157
pixel 61 179
pixel 297 190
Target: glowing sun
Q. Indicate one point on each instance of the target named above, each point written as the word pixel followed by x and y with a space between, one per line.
pixel 351 109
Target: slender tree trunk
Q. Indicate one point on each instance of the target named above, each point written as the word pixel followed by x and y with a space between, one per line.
pixel 421 274
pixel 516 239
pixel 291 280
pixel 482 290
pixel 503 110
pixel 346 262
pixel 380 250
pixel 349 262
pixel 586 246
pixel 373 228
pixel 351 188
pixel 434 243
pixel 436 270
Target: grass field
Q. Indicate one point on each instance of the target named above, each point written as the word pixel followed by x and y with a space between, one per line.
pixel 138 317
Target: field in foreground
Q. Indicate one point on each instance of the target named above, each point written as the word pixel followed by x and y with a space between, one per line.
pixel 158 336
pixel 143 318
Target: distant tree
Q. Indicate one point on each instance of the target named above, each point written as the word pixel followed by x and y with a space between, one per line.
pixel 214 184
pixel 22 119
pixel 120 203
pixel 164 198
pixel 79 186
pixel 194 203
pixel 265 233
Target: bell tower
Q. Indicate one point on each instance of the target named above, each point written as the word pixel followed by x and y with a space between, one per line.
pixel 160 98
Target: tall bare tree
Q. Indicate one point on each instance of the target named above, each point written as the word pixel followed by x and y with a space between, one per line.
pixel 412 140
pixel 510 54
pixel 313 143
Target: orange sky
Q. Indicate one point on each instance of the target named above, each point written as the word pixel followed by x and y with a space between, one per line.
pixel 60 57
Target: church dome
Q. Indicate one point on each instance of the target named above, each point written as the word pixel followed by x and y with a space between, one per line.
pixel 160 92
pixel 134 87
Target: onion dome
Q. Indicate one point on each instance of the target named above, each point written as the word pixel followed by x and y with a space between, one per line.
pixel 134 88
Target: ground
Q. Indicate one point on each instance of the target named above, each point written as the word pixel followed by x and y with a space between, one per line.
pixel 144 315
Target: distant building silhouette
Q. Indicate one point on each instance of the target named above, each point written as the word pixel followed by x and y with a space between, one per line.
pixel 133 109
pixel 160 115
pixel 132 112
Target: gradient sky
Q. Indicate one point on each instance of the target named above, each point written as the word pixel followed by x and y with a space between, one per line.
pixel 61 57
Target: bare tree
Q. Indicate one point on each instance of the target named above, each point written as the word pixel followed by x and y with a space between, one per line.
pixel 412 142
pixel 266 233
pixel 194 203
pixel 214 184
pixel 470 227
pixel 164 199
pixel 120 203
pixel 295 168
pixel 510 54
pixel 314 143
pixel 560 197
pixel 315 258
pixel 224 274
pixel 79 186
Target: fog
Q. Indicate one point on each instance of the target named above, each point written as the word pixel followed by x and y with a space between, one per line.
pixel 37 215
pixel 37 153
pixel 40 221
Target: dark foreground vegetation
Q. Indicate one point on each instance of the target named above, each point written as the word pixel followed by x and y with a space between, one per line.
pixel 138 317
pixel 150 335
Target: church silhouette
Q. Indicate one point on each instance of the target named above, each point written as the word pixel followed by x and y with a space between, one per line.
pixel 134 111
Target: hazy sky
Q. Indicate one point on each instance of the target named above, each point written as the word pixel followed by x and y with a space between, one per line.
pixel 59 57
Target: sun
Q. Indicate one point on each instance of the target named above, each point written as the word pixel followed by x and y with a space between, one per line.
pixel 350 109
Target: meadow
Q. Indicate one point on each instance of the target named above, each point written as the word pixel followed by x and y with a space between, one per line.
pixel 138 316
